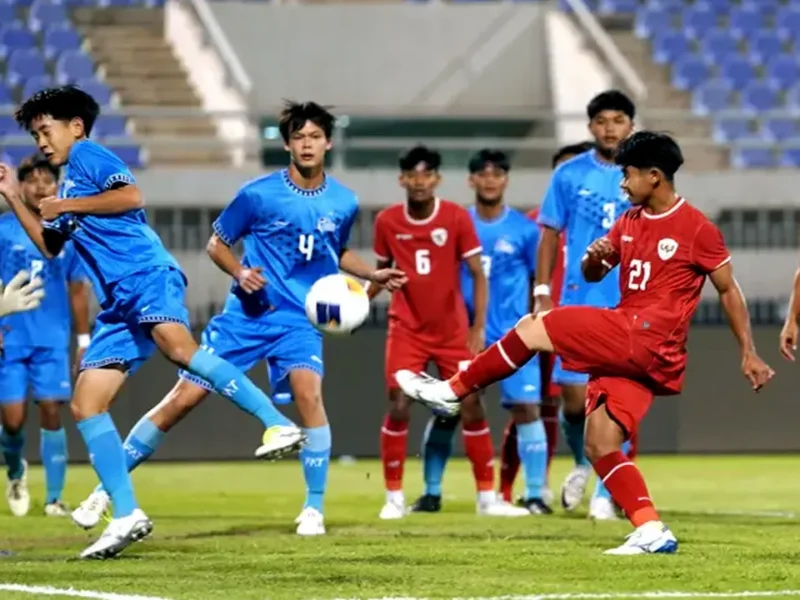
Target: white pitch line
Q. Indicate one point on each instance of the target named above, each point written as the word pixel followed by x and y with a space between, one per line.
pixel 47 590
pixel 618 596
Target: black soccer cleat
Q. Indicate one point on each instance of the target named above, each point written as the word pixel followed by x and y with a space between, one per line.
pixel 427 503
pixel 536 506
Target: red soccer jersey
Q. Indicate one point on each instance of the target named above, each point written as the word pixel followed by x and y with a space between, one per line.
pixel 557 276
pixel 430 252
pixel 664 260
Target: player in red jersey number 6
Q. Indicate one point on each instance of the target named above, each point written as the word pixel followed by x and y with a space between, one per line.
pixel 665 249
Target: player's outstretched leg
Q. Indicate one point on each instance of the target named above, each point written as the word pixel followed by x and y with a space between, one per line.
pixel 437 446
pixel 281 436
pixel 53 450
pixel 12 443
pixel 94 391
pixel 509 461
pixel 601 506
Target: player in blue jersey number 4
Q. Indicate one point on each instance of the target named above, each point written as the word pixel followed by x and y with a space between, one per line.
pixel 294 224
pixel 139 286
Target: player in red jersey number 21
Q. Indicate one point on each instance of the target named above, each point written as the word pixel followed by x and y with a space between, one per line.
pixel 665 249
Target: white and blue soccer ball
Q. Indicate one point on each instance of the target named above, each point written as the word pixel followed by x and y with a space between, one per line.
pixel 337 304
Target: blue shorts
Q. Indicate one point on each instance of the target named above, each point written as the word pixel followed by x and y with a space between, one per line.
pixel 563 377
pixel 122 332
pixel 524 386
pixel 244 342
pixel 46 371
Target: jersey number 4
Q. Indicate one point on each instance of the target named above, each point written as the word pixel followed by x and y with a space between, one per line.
pixel 306 245
pixel 639 274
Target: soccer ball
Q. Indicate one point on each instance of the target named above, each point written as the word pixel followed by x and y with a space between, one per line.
pixel 337 304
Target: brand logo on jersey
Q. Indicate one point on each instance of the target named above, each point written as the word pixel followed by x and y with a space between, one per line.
pixel 667 248
pixel 67 186
pixel 439 236
pixel 18 248
pixel 504 246
pixel 584 192
pixel 404 236
pixel 326 225
pixel 627 238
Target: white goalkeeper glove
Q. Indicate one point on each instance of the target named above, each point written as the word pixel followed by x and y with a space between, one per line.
pixel 20 294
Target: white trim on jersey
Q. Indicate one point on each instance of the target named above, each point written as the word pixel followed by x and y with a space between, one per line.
pixel 722 264
pixel 473 252
pixel 427 220
pixel 681 202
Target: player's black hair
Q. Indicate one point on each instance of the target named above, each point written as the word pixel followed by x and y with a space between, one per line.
pixel 571 150
pixel 610 100
pixel 37 162
pixel 650 150
pixel 63 104
pixel 295 115
pixel 489 156
pixel 420 154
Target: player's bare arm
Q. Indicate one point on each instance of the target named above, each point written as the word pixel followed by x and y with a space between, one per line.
pixel 115 201
pixel 250 278
pixel 599 259
pixel 735 307
pixel 79 302
pixel 388 277
pixel 480 291
pixel 545 261
pixel 788 341
pixel 374 289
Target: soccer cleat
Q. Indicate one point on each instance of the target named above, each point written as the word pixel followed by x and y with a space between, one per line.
pixel 602 509
pixel 500 508
pixel 574 487
pixel 17 495
pixel 56 509
pixel 548 496
pixel 280 440
pixel 433 393
pixel 651 538
pixel 91 510
pixel 120 534
pixel 427 503
pixel 393 509
pixel 310 522
pixel 536 506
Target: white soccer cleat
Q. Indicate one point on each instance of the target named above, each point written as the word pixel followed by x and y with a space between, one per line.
pixel 310 522
pixel 395 507
pixel 500 508
pixel 120 534
pixel 280 440
pixel 17 495
pixel 574 487
pixel 602 509
pixel 91 510
pixel 433 393
pixel 651 538
pixel 547 495
pixel 56 509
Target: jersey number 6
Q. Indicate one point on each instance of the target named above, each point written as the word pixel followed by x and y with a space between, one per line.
pixel 422 260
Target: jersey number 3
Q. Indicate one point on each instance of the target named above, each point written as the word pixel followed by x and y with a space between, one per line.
pixel 306 245
pixel 639 274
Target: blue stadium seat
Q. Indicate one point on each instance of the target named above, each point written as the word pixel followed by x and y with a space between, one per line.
pixel 649 21
pixel 36 84
pixel 743 22
pixel 8 126
pixel 779 129
pixel 15 36
pixel 613 7
pixel 59 38
pixel 698 20
pixel 732 129
pixel 111 126
pixel 21 3
pixel 763 45
pixel 765 7
pixel 737 71
pixel 44 13
pixel 720 7
pixel 5 95
pixel 73 65
pixel 130 155
pixel 783 71
pixel 689 72
pixel 8 13
pixel 753 158
pixel 787 22
pixel 98 90
pixel 117 3
pixel 668 4
pixel 24 64
pixel 759 96
pixel 717 45
pixel 793 99
pixel 790 157
pixel 712 96
pixel 668 47
pixel 18 152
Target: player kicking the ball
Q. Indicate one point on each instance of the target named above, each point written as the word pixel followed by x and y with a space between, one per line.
pixel 428 238
pixel 665 249
pixel 295 224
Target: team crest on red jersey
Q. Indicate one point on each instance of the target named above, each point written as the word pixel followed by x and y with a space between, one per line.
pixel 439 236
pixel 667 248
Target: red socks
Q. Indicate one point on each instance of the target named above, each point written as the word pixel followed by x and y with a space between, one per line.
pixel 497 362
pixel 624 481
pixel 509 466
pixel 479 449
pixel 549 413
pixel 393 452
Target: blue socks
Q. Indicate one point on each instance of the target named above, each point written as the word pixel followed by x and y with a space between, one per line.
pixel 316 456
pixel 230 382
pixel 140 444
pixel 53 450
pixel 600 490
pixel 532 448
pixel 11 444
pixel 573 433
pixel 108 459
pixel 437 446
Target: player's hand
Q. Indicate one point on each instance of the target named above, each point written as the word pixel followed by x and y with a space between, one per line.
pixel 20 294
pixel 788 339
pixel 51 208
pixel 542 303
pixel 251 280
pixel 758 372
pixel 476 339
pixel 8 181
pixel 390 279
pixel 600 249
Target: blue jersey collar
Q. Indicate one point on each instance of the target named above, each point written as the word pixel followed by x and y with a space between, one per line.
pixel 601 163
pixel 496 221
pixel 301 191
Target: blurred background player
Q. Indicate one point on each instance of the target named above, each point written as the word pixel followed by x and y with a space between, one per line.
pixel 550 391
pixel 36 346
pixel 666 249
pixel 509 241
pixel 428 238
pixel 582 202
pixel 294 224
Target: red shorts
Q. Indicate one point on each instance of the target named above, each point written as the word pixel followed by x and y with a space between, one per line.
pixel 404 350
pixel 549 388
pixel 602 343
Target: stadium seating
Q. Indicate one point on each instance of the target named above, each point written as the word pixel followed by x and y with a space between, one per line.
pixel 40 47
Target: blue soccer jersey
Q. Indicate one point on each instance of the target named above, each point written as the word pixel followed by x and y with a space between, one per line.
pixel 112 247
pixel 48 326
pixel 583 200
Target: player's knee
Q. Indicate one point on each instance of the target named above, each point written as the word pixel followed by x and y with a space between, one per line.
pixel 525 413
pixel 472 409
pixel 13 417
pixel 603 436
pixel 399 405
pixel 82 410
pixel 50 415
